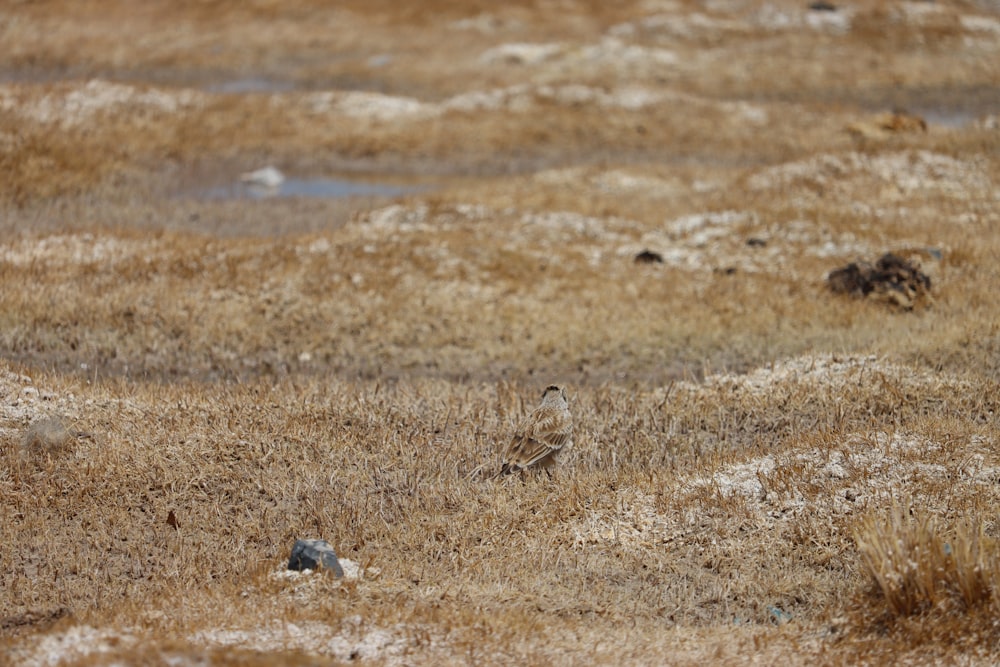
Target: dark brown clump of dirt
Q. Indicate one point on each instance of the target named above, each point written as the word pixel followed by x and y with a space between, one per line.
pixel 649 257
pixel 891 279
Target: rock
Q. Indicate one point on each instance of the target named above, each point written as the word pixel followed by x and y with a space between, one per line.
pixel 649 257
pixel 266 177
pixel 822 6
pixel 778 615
pixel 314 554
pixel 892 279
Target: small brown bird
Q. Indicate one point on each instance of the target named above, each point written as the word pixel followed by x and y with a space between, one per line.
pixel 542 435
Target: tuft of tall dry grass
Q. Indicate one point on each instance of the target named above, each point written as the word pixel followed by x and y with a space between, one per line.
pixel 920 564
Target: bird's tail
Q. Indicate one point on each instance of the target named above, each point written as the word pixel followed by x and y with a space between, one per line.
pixel 507 469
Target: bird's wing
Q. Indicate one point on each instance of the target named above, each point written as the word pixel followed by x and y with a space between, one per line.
pixel 525 450
pixel 538 439
pixel 554 429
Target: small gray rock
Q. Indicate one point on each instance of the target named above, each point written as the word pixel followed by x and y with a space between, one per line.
pixel 314 554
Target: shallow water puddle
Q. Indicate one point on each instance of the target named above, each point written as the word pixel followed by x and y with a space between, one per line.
pixel 321 188
pixel 250 84
pixel 950 118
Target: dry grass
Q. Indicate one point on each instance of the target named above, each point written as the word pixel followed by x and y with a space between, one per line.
pixel 918 569
pixel 666 501
pixel 935 582
pixel 254 371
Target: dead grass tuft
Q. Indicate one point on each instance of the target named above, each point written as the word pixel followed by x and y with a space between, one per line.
pixel 920 566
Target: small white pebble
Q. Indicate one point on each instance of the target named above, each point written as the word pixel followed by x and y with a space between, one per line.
pixel 351 569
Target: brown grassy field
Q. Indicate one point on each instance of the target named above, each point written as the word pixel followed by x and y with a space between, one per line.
pixel 763 471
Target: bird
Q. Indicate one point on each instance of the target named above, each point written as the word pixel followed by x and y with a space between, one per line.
pixel 546 431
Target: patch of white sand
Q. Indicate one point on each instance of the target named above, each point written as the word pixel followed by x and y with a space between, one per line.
pixel 73 644
pixel 354 641
pixel 827 371
pixel 370 106
pixel 520 53
pixel 864 469
pixel 910 173
pixel 61 249
pixel 72 105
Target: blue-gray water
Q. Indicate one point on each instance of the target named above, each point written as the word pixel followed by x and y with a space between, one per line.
pixel 308 187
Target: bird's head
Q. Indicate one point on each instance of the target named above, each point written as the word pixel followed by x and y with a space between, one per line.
pixel 554 392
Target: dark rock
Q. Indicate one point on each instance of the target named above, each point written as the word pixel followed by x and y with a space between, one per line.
pixel 314 554
pixel 822 6
pixel 649 257
pixel 855 278
pixel 755 242
pixel 891 278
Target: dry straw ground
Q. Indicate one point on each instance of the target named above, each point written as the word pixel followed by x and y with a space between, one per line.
pixel 763 471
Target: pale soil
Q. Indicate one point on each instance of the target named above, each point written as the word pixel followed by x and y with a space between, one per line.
pixel 221 376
